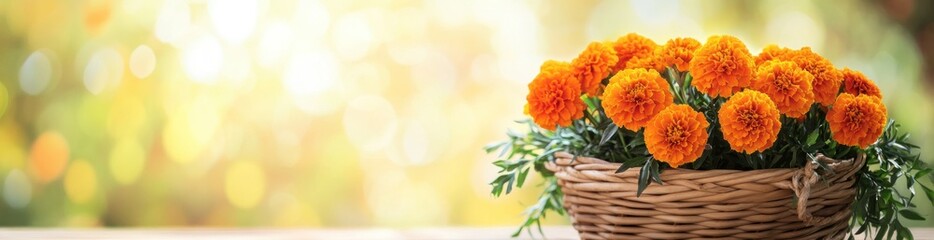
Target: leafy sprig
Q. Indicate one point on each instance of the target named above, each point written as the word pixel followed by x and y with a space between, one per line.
pixel 878 204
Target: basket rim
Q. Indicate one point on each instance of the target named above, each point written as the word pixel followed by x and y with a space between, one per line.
pixel 568 159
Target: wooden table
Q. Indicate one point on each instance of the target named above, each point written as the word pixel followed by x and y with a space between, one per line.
pixel 553 233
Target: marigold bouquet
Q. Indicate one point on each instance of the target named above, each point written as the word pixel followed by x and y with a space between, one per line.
pixel 714 105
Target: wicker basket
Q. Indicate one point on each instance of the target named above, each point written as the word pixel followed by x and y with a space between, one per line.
pixel 708 204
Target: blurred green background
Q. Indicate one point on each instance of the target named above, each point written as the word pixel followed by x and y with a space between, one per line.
pixel 344 113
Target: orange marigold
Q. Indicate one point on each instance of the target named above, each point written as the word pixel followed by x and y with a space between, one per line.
pixel 787 85
pixel 749 121
pixel 857 120
pixel 677 135
pixel 773 52
pixel 629 46
pixel 856 83
pixel 722 66
pixel 593 65
pixel 555 96
pixel 677 52
pixel 645 62
pixel 634 96
pixel 826 83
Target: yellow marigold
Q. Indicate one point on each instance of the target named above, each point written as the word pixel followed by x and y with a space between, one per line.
pixel 856 83
pixel 826 83
pixel 629 46
pixel 787 85
pixel 773 52
pixel 593 65
pixel 554 96
pixel 645 62
pixel 634 96
pixel 677 52
pixel 749 121
pixel 857 120
pixel 677 135
pixel 722 66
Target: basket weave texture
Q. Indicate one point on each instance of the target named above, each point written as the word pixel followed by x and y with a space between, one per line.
pixel 784 203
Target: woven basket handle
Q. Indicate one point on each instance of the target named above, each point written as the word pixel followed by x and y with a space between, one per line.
pixel 803 179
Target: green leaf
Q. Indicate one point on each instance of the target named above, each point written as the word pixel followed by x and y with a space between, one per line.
pixel 622 168
pixel 910 214
pixel 687 81
pixel 630 163
pixel 905 233
pixel 489 148
pixel 812 138
pixel 522 175
pixel 644 176
pixel 506 148
pixel 880 234
pixel 608 133
pixel 512 179
pixel 924 172
pixel 928 192
pixel 656 173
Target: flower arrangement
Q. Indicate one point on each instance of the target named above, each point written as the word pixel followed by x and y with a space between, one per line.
pixel 709 106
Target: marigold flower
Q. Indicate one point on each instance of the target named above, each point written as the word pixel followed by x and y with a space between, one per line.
pixel 787 85
pixel 749 121
pixel 630 46
pixel 593 65
pixel 857 120
pixel 677 52
pixel 554 96
pixel 722 66
pixel 634 96
pixel 645 62
pixel 856 83
pixel 827 79
pixel 677 135
pixel 773 52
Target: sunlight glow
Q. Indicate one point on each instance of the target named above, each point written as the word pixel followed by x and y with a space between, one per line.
pixel 202 59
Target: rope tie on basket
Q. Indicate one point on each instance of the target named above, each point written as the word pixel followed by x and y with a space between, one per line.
pixel 803 179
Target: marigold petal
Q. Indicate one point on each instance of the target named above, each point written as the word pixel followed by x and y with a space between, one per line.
pixel 857 120
pixel 634 96
pixel 677 53
pixel 722 66
pixel 856 83
pixel 749 121
pixel 827 79
pixel 677 135
pixel 773 52
pixel 593 65
pixel 630 46
pixel 554 96
pixel 787 85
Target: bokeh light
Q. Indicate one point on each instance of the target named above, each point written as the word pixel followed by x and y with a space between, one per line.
pixel 329 113
pixel 104 70
pixel 245 184
pixel 17 190
pixel 127 160
pixel 48 156
pixel 203 58
pixel 36 73
pixel 80 181
pixel 4 99
pixel 173 21
pixel 234 19
pixel 142 61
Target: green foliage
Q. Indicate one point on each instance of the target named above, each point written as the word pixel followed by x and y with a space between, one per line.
pixel 891 160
